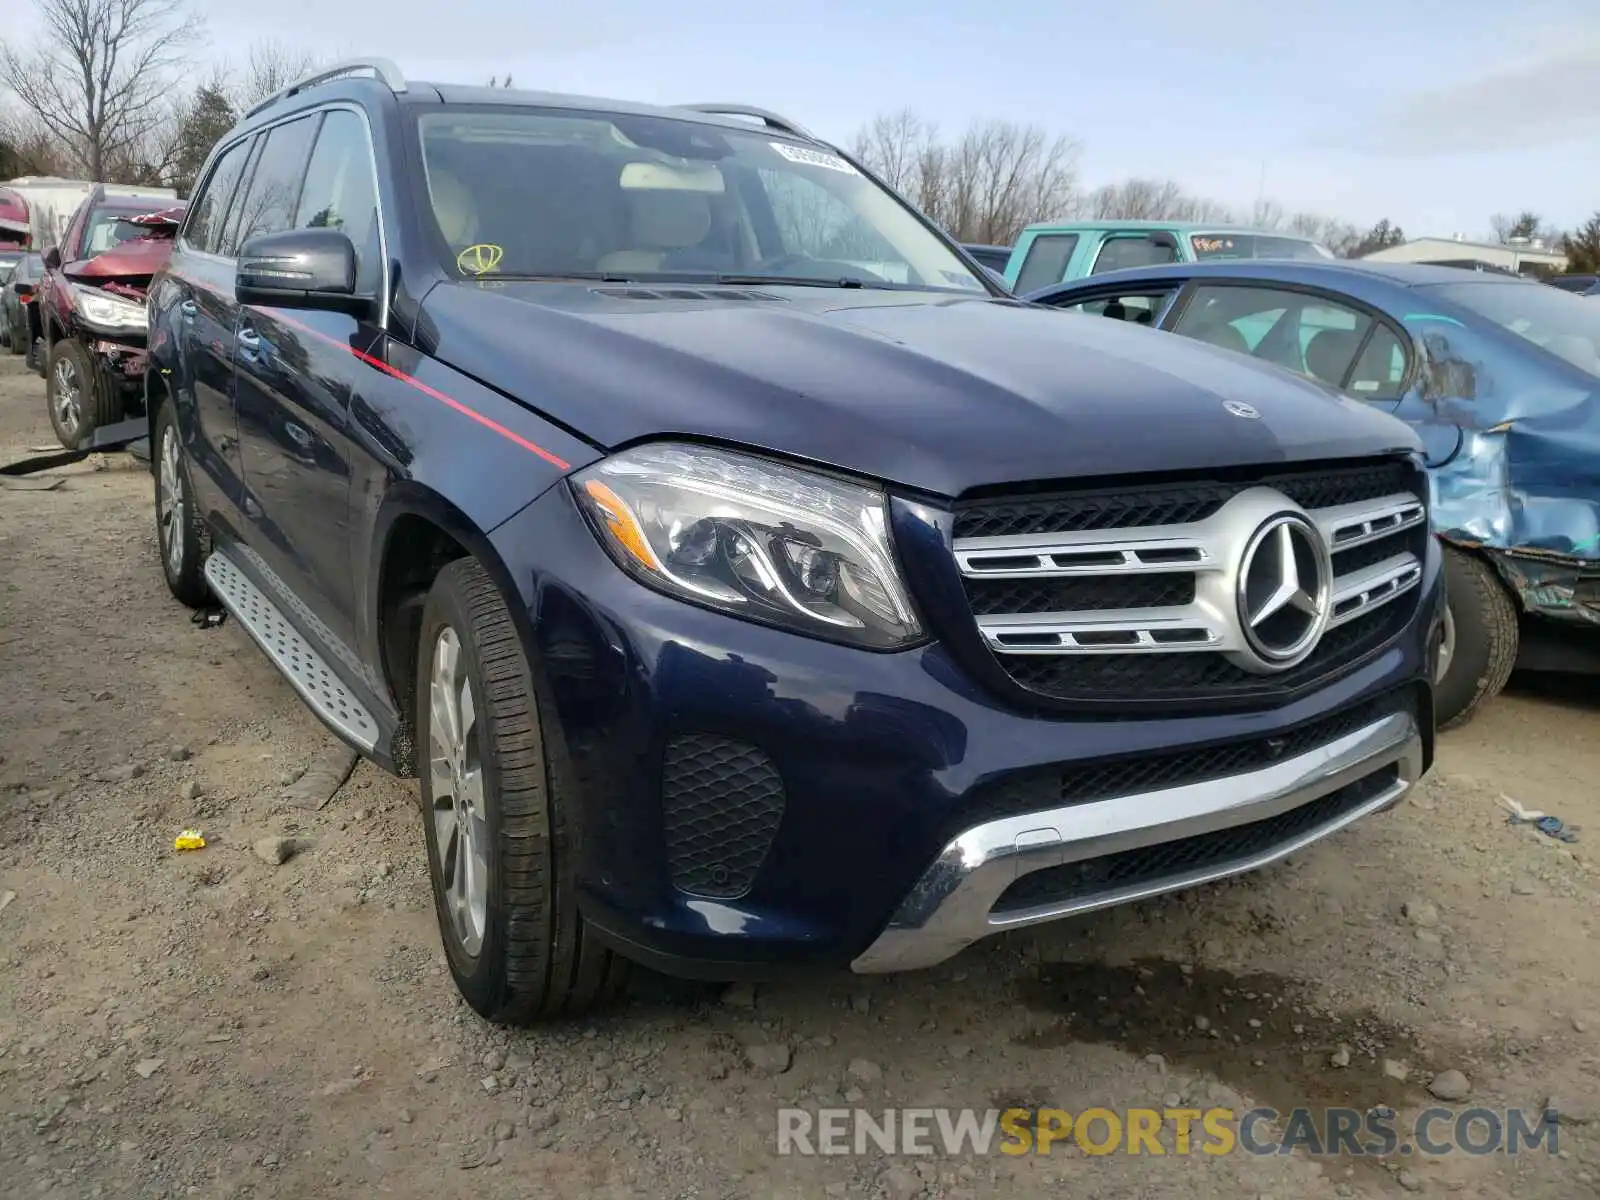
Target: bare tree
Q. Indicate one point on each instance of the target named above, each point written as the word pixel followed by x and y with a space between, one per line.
pixel 1380 237
pixel 1336 234
pixel 26 148
pixel 270 67
pixel 1151 200
pixel 985 186
pixel 894 145
pixel 98 76
pixel 1266 214
pixel 1582 247
pixel 1526 226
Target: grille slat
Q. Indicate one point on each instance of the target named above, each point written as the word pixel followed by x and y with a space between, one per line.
pixel 1198 673
pixel 1081 596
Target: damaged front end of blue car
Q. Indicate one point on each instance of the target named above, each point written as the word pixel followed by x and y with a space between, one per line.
pixel 1512 429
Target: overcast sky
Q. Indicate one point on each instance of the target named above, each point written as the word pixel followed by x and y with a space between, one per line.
pixel 1434 113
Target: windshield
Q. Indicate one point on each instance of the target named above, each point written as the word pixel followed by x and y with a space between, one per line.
pixel 1557 321
pixel 562 194
pixel 109 227
pixel 1255 245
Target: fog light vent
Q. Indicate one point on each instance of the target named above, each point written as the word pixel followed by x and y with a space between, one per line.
pixel 721 803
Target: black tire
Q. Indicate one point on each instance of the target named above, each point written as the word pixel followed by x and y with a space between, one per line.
pixel 182 539
pixel 537 958
pixel 78 403
pixel 1485 627
pixel 5 329
pixel 35 360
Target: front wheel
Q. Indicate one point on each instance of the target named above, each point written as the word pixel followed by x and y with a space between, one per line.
pixel 497 829
pixel 78 404
pixel 181 536
pixel 1479 646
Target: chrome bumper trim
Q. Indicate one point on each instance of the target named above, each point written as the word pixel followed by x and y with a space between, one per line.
pixel 951 905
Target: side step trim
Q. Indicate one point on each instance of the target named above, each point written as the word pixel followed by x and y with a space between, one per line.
pixel 307 671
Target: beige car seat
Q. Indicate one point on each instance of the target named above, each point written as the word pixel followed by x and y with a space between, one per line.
pixel 660 221
pixel 453 209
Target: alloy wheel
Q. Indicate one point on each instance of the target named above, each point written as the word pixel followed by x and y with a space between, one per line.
pixel 68 402
pixel 169 511
pixel 455 765
pixel 1447 647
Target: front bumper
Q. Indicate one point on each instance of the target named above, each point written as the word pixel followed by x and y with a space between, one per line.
pixel 958 899
pixel 892 762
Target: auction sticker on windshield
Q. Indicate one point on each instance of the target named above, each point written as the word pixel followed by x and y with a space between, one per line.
pixel 813 158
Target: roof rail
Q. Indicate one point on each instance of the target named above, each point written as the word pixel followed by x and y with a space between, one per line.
pixel 381 69
pixel 768 118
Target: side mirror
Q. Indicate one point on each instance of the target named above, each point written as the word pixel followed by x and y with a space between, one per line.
pixel 52 258
pixel 299 268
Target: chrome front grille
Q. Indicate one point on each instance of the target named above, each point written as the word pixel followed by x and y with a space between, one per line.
pixel 1102 595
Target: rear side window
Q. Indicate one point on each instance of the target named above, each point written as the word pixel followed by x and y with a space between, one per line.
pixel 274 192
pixel 1380 368
pixel 339 192
pixel 1137 250
pixel 1137 308
pixel 1046 262
pixel 211 206
pixel 1315 336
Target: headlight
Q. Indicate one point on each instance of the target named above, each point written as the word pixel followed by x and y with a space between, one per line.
pixel 108 312
pixel 753 538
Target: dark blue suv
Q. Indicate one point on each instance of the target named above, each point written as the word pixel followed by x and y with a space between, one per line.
pixel 750 582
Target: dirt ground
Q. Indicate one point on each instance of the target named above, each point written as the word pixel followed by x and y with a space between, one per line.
pixel 207 1024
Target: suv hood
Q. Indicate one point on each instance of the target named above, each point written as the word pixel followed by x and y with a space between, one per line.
pixel 942 394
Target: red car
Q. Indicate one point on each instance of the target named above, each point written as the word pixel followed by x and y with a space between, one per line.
pixel 92 311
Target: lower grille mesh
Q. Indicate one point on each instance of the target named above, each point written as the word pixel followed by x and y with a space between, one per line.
pixel 721 802
pixel 1055 787
pixel 1151 864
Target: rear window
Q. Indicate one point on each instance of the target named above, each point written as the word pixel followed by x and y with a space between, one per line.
pixel 1046 262
pixel 1565 325
pixel 1254 245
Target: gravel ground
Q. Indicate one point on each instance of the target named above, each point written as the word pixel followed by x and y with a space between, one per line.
pixel 210 1024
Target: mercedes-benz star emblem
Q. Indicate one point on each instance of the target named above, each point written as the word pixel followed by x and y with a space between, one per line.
pixel 1285 590
pixel 1240 409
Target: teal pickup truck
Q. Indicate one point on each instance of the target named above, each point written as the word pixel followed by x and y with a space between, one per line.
pixel 1048 254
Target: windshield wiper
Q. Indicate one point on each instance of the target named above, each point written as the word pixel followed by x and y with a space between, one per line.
pixel 556 276
pixel 793 281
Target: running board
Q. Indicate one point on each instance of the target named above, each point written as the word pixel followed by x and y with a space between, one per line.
pixel 318 684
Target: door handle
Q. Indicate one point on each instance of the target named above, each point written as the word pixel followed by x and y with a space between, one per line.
pixel 187 310
pixel 249 340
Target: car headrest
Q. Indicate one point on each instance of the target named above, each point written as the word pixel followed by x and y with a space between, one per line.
pixel 1329 352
